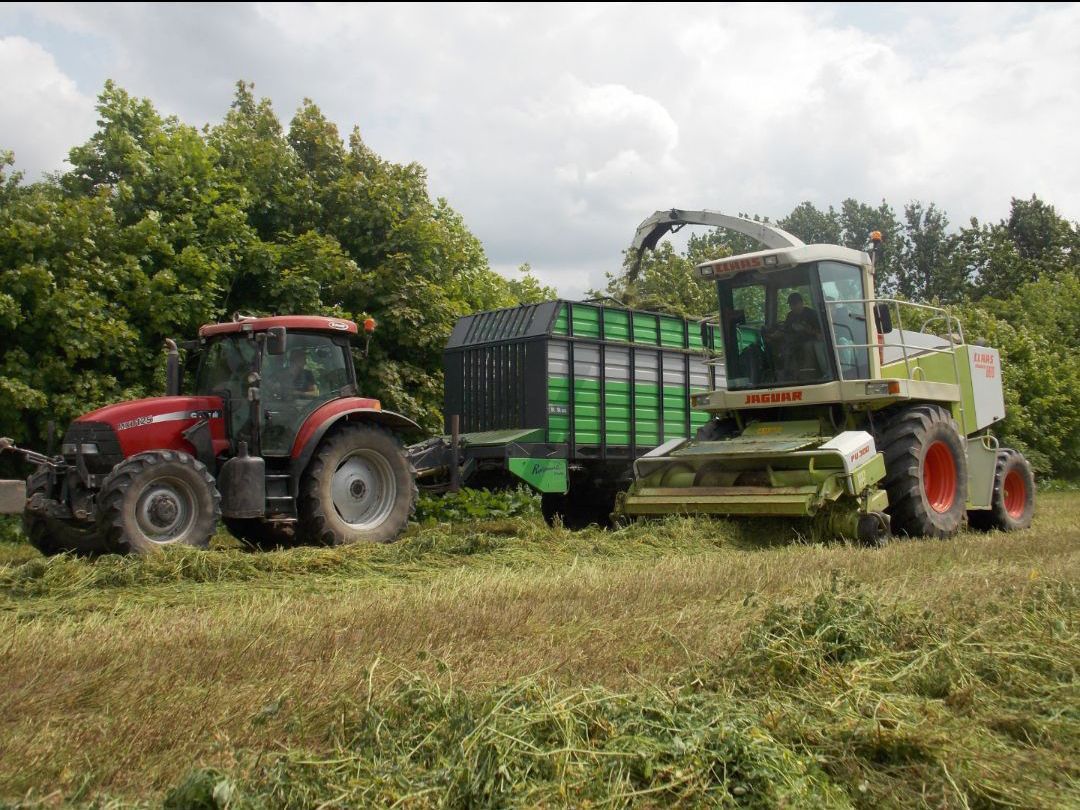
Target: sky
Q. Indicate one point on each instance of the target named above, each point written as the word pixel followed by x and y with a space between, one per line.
pixel 555 130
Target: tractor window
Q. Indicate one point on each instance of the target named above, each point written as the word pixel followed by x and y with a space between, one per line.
pixel 842 289
pixel 223 370
pixel 773 329
pixel 313 370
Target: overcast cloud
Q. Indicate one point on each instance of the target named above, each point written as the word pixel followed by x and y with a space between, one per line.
pixel 555 130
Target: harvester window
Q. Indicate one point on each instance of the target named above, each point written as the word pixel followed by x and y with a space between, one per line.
pixel 773 327
pixel 842 289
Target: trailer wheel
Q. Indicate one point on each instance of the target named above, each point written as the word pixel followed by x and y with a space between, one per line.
pixel 925 472
pixel 155 499
pixel 579 508
pixel 1012 504
pixel 359 488
pixel 52 535
pixel 262 534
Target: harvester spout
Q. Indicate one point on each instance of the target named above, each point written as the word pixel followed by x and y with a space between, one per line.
pixel 653 229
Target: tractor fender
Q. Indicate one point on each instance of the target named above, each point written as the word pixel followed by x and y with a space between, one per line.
pixel 324 418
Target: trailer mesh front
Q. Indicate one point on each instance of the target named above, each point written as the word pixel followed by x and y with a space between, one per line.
pixel 606 381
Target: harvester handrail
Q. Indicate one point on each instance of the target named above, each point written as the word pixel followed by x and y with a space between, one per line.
pixel 939 313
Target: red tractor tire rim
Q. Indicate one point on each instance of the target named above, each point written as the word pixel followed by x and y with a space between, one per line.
pixel 1015 494
pixel 939 477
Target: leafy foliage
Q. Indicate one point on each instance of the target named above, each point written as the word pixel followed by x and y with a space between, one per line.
pixel 470 504
pixel 159 228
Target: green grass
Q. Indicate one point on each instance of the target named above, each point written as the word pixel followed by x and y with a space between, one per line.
pixel 503 663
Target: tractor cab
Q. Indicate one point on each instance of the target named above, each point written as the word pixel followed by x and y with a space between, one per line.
pixel 294 364
pixel 793 320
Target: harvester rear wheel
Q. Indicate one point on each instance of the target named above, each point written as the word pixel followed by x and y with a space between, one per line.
pixel 1012 504
pixel 925 472
pixel 359 488
pixel 155 499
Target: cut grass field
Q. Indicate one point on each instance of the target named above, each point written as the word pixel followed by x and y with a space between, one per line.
pixel 505 663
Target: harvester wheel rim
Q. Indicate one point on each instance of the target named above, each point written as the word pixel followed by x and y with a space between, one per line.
pixel 165 510
pixel 1015 495
pixel 364 489
pixel 939 477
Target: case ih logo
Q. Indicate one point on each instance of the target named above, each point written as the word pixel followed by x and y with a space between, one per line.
pixel 773 399
pixel 985 361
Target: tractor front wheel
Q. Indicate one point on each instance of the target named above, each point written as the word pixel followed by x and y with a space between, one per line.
pixel 1012 504
pixel 925 472
pixel 156 499
pixel 359 488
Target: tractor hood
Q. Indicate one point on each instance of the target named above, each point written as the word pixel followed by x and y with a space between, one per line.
pixel 156 423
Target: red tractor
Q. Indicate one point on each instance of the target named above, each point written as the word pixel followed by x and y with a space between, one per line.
pixel 273 438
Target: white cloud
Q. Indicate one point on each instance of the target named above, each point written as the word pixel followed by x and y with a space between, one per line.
pixel 43 114
pixel 555 130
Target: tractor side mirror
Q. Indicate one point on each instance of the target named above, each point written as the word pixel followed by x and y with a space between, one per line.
pixel 883 317
pixel 276 340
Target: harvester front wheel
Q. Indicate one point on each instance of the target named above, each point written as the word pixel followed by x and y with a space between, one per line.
pixel 925 472
pixel 1012 504
pixel 155 499
pixel 358 489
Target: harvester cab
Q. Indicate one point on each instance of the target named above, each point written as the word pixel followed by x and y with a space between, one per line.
pixel 833 409
pixel 273 437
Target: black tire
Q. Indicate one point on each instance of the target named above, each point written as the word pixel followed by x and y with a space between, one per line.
pixel 1012 504
pixel 375 488
pixel 580 508
pixel 52 535
pixel 155 499
pixel 261 534
pixel 925 472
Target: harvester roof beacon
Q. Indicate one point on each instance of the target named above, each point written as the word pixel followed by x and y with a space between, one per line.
pixel 868 415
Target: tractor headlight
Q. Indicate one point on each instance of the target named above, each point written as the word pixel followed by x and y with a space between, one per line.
pixel 73 449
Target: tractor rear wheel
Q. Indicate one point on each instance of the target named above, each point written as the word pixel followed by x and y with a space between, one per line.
pixel 925 472
pixel 156 499
pixel 262 534
pixel 1012 504
pixel 359 488
pixel 52 535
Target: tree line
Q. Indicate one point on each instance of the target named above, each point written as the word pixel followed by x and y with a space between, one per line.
pixel 159 227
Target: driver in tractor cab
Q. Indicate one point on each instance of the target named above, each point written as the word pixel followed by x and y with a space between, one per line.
pixel 796 338
pixel 301 378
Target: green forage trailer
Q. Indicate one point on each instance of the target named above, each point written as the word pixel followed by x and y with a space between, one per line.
pixel 564 396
